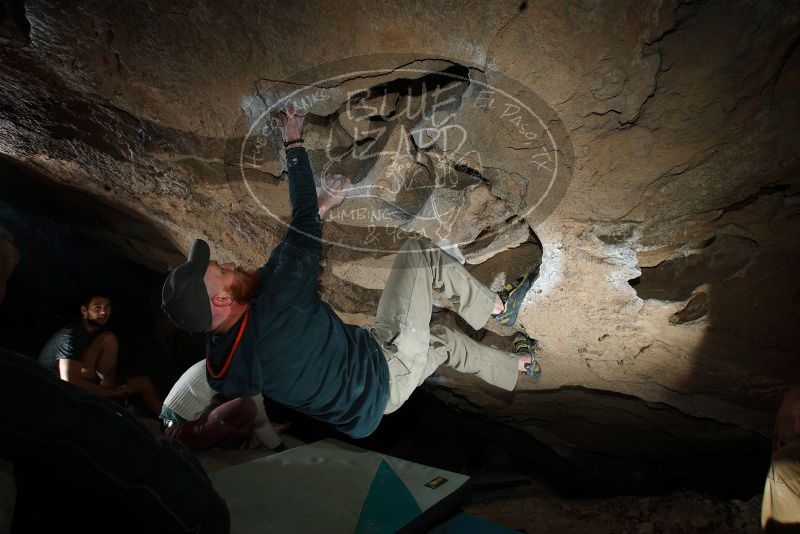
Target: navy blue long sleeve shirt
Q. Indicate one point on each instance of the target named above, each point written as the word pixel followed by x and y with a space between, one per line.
pixel 295 349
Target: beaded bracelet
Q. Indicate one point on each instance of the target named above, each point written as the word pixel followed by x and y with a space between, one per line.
pixel 293 141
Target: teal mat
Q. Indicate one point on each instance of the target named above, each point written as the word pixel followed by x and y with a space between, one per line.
pixel 388 506
pixel 331 487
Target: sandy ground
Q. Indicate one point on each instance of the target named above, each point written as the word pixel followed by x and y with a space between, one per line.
pixel 686 512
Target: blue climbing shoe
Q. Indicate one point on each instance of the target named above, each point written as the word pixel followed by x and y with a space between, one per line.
pixel 513 295
pixel 527 345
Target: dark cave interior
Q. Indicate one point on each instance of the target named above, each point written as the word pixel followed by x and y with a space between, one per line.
pixel 638 159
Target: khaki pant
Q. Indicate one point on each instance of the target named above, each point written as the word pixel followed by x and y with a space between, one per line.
pixel 412 348
pixel 781 502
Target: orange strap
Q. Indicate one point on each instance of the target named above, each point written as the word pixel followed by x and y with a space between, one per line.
pixel 233 350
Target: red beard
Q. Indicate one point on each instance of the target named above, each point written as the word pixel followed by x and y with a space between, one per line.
pixel 246 286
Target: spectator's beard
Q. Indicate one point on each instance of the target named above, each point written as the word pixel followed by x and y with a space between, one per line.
pixel 246 286
pixel 99 323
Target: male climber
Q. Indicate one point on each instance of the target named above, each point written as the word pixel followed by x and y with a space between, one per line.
pixel 269 332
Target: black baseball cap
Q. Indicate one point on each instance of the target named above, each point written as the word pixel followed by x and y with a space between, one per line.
pixel 184 297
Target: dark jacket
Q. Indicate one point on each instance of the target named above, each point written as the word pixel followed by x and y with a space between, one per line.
pixel 294 348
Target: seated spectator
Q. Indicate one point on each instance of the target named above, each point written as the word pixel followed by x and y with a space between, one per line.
pixel 196 415
pixel 780 509
pixel 84 353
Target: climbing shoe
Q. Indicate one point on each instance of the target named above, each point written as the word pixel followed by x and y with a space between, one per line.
pixel 527 345
pixel 512 296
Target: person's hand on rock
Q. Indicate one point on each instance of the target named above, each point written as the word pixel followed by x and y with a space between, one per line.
pixel 291 123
